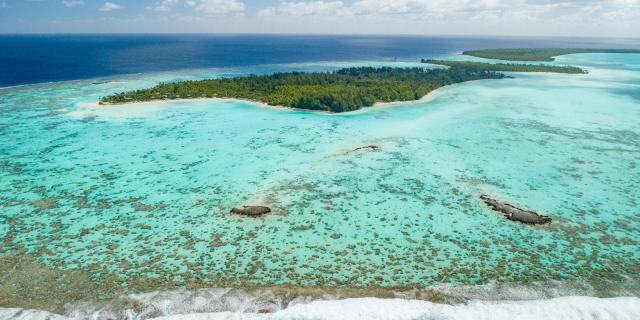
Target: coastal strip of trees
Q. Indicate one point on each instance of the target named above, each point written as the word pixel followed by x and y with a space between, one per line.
pixel 339 91
pixel 538 54
pixel 506 67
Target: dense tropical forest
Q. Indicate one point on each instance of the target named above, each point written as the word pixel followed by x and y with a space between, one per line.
pixel 339 91
pixel 506 67
pixel 538 54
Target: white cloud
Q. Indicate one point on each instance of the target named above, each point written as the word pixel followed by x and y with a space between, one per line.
pixel 72 3
pixel 399 7
pixel 458 9
pixel 110 6
pixel 163 6
pixel 217 6
pixel 204 6
pixel 3 4
pixel 380 7
pixel 304 8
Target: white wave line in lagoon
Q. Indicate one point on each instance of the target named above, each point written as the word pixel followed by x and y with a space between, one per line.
pixel 566 308
pixel 93 109
pixel 14 87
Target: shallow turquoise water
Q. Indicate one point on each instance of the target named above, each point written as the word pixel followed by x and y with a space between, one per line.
pixel 145 190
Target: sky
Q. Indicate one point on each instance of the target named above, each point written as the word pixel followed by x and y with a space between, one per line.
pixel 588 18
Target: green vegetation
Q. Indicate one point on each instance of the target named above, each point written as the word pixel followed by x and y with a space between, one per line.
pixel 506 67
pixel 351 88
pixel 340 91
pixel 537 54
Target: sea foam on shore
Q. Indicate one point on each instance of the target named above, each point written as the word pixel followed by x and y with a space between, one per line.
pixel 565 308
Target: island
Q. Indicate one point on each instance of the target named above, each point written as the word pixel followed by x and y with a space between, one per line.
pixel 354 88
pixel 538 54
pixel 338 91
pixel 507 67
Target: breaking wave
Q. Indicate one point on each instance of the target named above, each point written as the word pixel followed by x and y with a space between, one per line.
pixel 542 301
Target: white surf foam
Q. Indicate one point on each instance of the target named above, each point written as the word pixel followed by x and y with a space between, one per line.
pixel 565 308
pixel 22 314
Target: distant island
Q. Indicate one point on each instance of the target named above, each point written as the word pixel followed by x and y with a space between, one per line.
pixel 339 91
pixel 351 89
pixel 507 67
pixel 537 54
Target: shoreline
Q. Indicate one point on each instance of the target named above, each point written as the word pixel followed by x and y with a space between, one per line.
pixel 341 91
pixel 160 101
pixel 426 98
pixel 432 94
pixel 152 307
pixel 81 293
pixel 223 303
pixel 216 307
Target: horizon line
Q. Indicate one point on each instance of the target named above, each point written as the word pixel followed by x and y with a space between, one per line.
pixel 457 35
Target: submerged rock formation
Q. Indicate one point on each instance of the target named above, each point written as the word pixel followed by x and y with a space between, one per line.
pixel 251 211
pixel 515 214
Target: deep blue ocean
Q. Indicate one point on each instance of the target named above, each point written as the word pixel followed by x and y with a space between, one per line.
pixel 27 59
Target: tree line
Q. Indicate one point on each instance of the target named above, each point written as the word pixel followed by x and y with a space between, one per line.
pixel 507 67
pixel 339 91
pixel 538 54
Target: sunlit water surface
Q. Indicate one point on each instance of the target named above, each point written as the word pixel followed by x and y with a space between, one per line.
pixel 145 190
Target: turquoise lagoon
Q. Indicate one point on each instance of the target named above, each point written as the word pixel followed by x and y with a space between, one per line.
pixel 144 190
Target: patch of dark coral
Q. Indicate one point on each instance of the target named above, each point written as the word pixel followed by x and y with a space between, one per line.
pixel 514 213
pixel 251 211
